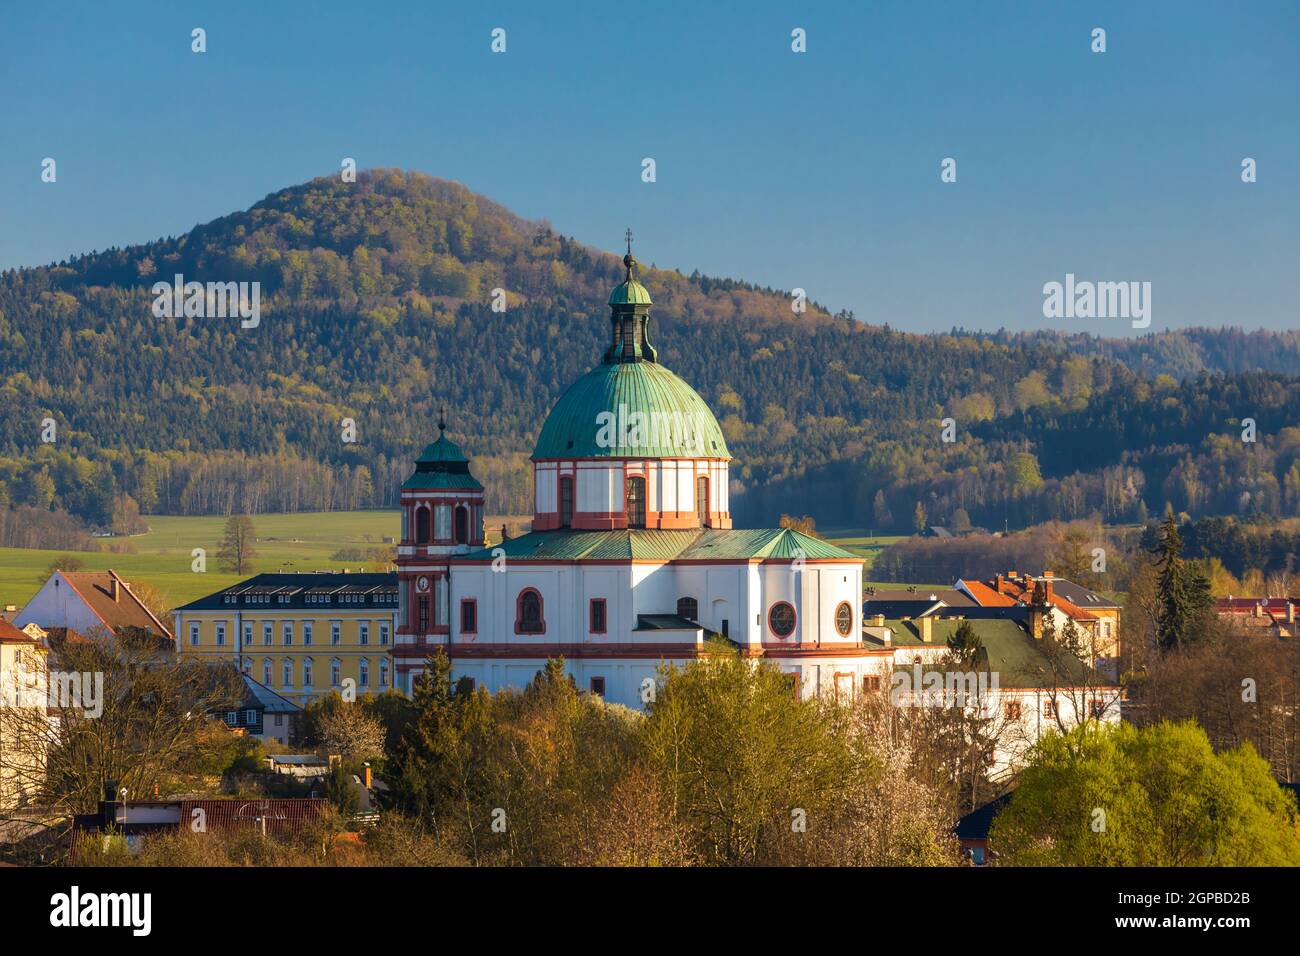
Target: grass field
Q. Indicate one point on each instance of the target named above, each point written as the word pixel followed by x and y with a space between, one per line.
pixel 286 542
pixel 869 547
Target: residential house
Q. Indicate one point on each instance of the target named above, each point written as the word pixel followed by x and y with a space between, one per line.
pixel 1270 616
pixel 1096 618
pixel 90 602
pixel 263 713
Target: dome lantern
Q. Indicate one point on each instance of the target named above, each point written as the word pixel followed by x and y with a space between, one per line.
pixel 629 306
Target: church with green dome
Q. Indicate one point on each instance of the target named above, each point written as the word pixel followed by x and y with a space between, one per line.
pixel 632 561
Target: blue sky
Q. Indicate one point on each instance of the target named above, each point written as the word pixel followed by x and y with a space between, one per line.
pixel 818 170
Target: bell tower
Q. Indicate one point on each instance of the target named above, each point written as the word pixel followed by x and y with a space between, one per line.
pixel 442 516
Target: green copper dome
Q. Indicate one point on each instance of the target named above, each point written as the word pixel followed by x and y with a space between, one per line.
pixel 631 410
pixel 630 292
pixel 442 450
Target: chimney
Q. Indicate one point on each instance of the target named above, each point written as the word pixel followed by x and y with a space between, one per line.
pixel 998 582
pixel 1290 613
pixel 877 620
pixel 926 626
pixel 367 779
pixel 1047 588
pixel 1048 574
pixel 112 589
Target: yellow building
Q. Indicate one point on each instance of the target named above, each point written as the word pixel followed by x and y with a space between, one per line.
pixel 303 635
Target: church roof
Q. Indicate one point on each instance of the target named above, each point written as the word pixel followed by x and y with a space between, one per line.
pixel 593 419
pixel 640 544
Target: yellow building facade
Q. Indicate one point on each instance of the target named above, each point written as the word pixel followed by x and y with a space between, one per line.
pixel 302 635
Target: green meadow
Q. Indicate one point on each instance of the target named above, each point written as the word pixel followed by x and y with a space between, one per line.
pixel 304 541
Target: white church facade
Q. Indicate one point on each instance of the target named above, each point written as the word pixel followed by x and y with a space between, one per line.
pixel 632 561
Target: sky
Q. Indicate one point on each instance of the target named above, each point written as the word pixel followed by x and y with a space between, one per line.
pixel 817 170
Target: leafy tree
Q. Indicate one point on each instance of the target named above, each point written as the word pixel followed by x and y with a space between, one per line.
pixel 739 753
pixel 1156 796
pixel 238 541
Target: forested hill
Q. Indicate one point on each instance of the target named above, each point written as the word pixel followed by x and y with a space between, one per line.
pixel 1181 353
pixel 377 307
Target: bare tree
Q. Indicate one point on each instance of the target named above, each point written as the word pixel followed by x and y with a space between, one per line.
pixel 237 544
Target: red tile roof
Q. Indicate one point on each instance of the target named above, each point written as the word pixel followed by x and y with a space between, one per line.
pixel 11 635
pixel 985 596
pixel 96 589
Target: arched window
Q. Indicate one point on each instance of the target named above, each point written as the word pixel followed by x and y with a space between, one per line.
pixel 306 671
pixel 688 608
pixel 702 500
pixel 528 613
pixel 566 502
pixel 336 672
pixel 636 502
pixel 363 672
pixel 266 672
pixel 421 525
pixel 461 522
pixel 780 619
pixel 288 672
pixel 844 619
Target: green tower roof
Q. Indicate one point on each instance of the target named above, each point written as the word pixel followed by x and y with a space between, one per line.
pixel 442 450
pixel 629 292
pixel 441 465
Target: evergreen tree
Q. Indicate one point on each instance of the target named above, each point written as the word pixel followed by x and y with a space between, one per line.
pixel 1182 591
pixel 966 647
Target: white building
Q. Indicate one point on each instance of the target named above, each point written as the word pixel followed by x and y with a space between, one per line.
pixel 632 561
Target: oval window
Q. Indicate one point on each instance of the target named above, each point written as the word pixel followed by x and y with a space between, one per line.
pixel 844 619
pixel 781 619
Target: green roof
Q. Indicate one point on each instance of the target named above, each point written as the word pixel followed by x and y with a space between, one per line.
pixel 432 480
pixel 629 292
pixel 441 465
pixel 593 419
pixel 1019 659
pixel 653 545
pixel 444 449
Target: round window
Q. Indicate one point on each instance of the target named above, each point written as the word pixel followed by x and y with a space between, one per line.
pixel 844 619
pixel 781 619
